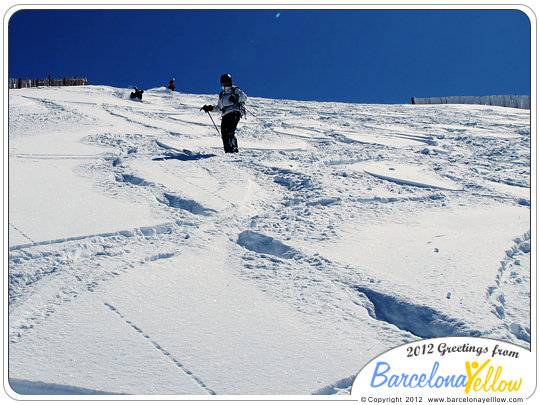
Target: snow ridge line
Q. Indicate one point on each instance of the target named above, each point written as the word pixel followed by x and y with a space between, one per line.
pixel 27 387
pixel 109 110
pixel 161 349
pixel 143 230
pixel 53 156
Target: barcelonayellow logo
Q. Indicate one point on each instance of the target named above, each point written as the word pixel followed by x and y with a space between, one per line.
pixel 451 367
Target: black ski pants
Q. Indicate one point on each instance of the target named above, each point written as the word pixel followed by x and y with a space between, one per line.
pixel 229 123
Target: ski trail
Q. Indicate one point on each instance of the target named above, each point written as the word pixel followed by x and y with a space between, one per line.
pixel 162 350
pixel 510 288
pixel 43 277
pixel 264 261
pixel 143 230
pixel 22 234
pixel 53 156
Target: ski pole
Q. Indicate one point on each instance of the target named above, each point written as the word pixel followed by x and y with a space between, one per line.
pixel 251 113
pixel 215 126
pixel 262 122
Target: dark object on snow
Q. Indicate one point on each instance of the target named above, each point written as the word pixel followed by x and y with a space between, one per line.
pixel 228 128
pixel 231 104
pixel 171 85
pixel 137 93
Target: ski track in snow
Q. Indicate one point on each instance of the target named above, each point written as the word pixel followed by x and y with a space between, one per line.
pixel 285 205
pixel 509 281
pixel 161 350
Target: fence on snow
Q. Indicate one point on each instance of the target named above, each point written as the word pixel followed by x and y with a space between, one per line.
pixel 515 100
pixel 65 81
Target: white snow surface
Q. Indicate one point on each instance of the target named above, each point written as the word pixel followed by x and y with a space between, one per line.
pixel 143 260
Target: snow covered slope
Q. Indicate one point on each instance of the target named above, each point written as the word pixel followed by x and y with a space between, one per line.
pixel 143 260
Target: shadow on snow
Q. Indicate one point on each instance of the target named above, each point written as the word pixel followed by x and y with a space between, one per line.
pixel 184 157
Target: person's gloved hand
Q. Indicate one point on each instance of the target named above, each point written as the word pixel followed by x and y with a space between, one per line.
pixel 207 108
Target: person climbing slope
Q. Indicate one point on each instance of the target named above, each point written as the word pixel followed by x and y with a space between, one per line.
pixel 231 104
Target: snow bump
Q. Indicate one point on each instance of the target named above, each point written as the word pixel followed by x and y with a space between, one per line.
pixel 192 206
pixel 260 243
pixel 420 320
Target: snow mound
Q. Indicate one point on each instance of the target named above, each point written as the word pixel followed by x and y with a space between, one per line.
pixel 259 243
pixel 411 175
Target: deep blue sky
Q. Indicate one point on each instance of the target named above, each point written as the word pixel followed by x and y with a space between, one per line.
pixel 360 56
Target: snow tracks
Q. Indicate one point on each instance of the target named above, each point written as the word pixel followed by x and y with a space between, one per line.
pixel 338 232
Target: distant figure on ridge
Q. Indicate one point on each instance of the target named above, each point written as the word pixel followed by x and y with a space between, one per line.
pixel 137 93
pixel 171 85
pixel 231 104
